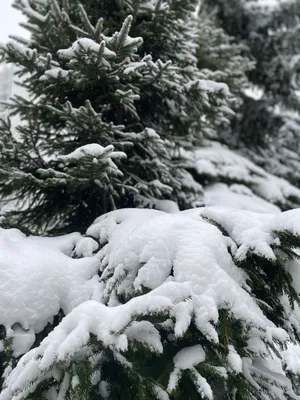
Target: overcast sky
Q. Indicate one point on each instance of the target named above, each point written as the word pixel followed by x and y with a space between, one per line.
pixel 9 19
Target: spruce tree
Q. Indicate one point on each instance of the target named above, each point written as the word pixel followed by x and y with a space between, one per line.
pixel 127 108
pixel 266 126
pixel 115 96
pixel 225 162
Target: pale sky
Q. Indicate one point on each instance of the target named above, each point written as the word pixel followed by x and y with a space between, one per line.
pixel 9 19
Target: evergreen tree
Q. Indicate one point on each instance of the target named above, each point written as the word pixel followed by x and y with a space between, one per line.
pixel 129 106
pixel 266 127
pixel 108 113
pixel 220 54
pixel 224 53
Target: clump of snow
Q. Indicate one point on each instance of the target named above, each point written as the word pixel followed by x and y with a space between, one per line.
pixel 291 359
pixel 134 66
pixel 104 389
pixel 86 45
pixel 209 86
pixel 65 243
pixel 234 360
pixel 96 154
pixel 189 357
pixel 55 73
pixel 93 150
pixel 263 371
pixel 86 247
pixel 37 279
pixel 22 340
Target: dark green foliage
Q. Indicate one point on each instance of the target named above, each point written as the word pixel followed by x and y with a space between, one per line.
pixel 140 94
pixel 266 126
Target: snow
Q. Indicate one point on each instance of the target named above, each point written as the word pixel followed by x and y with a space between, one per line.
pixel 237 196
pixel 144 332
pixel 92 150
pixel 209 86
pixel 86 45
pixel 20 48
pixel 65 243
pixel 268 5
pixel 37 279
pixel 178 265
pixel 189 357
pixel 75 381
pixel 135 264
pixel 104 389
pixel 291 359
pixel 167 206
pixel 55 73
pixel 262 372
pixel 22 340
pixel 252 232
pixel 97 154
pixel 134 66
pixel 217 162
pixel 73 333
pixel 86 247
pixel 160 393
pixel 234 360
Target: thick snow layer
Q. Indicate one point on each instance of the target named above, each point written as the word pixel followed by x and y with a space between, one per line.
pixel 149 262
pixel 237 196
pixel 217 162
pixel 37 279
pixel 252 232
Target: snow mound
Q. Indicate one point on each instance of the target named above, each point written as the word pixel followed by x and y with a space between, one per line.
pixel 37 279
pixel 237 196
